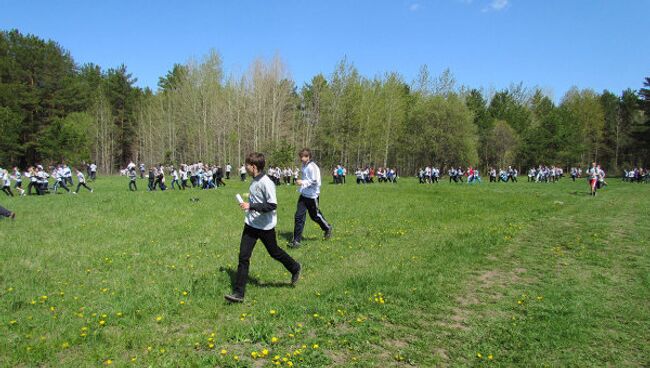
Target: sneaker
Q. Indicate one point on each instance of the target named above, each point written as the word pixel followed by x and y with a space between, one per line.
pixel 294 244
pixel 234 298
pixel 91 191
pixel 296 276
pixel 13 217
pixel 328 233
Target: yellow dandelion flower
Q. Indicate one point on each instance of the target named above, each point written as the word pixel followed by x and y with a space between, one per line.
pixel 479 355
pixel 289 364
pixel 102 322
pixel 265 352
pixel 65 345
pixel 182 302
pixel 315 315
pixel 223 352
pixel 32 302
pixel 184 293
pixel 490 357
pixel 315 346
pixel 273 312
pixel 274 340
pixel 254 355
pixel 134 359
pixel 12 322
pixel 159 318
pixel 235 358
pixel 108 362
pixel 119 314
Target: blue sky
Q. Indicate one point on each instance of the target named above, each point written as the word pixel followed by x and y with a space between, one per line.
pixel 552 44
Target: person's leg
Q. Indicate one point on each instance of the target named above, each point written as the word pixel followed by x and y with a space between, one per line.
pixel 62 185
pixel 248 238
pixel 5 212
pixel 299 220
pixel 268 238
pixel 316 215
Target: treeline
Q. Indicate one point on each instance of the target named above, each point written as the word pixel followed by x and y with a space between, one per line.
pixel 51 109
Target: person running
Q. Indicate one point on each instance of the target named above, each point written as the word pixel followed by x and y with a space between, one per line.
pixel 82 182
pixel 6 182
pixel 593 178
pixel 259 223
pixel 309 199
pixel 242 172
pixel 228 170
pixel 18 181
pixel 132 179
pixel 175 178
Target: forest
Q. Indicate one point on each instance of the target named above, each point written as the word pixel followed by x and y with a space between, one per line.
pixel 53 110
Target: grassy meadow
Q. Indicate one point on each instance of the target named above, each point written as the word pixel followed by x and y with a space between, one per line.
pixel 416 275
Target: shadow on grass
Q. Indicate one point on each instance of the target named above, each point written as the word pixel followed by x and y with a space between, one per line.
pixel 232 273
pixel 288 236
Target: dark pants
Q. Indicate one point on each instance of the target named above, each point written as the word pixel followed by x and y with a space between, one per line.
pixel 80 184
pixel 227 175
pixel 33 184
pixel 61 184
pixel 4 212
pixel 243 177
pixel 307 205
pixel 7 190
pixel 132 186
pixel 248 239
pixel 184 184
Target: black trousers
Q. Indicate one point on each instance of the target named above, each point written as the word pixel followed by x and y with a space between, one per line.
pixel 4 212
pixel 133 186
pixel 80 184
pixel 33 184
pixel 307 205
pixel 7 190
pixel 248 239
pixel 228 175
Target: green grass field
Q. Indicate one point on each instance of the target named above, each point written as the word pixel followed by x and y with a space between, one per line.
pixel 423 275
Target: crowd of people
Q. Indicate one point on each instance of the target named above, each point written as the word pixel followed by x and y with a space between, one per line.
pixel 41 181
pixel 636 175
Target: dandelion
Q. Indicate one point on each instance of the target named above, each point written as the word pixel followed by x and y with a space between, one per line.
pixel 235 358
pixel 65 345
pixel 32 302
pixel 273 312
pixel 108 362
pixel 315 346
pixel 119 314
pixel 265 352
pixel 134 359
pixel 184 293
pixel 315 315
pixel 274 340
pixel 479 355
pixel 12 322
pixel 490 357
pixel 182 302
pixel 223 352
pixel 254 355
pixel 159 318
pixel 102 323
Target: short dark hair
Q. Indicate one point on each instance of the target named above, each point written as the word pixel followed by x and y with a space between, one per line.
pixel 256 159
pixel 305 152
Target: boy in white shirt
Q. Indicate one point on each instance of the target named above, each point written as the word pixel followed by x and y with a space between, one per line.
pixel 308 200
pixel 82 182
pixel 259 223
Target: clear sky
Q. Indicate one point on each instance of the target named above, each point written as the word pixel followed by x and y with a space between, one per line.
pixel 553 44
